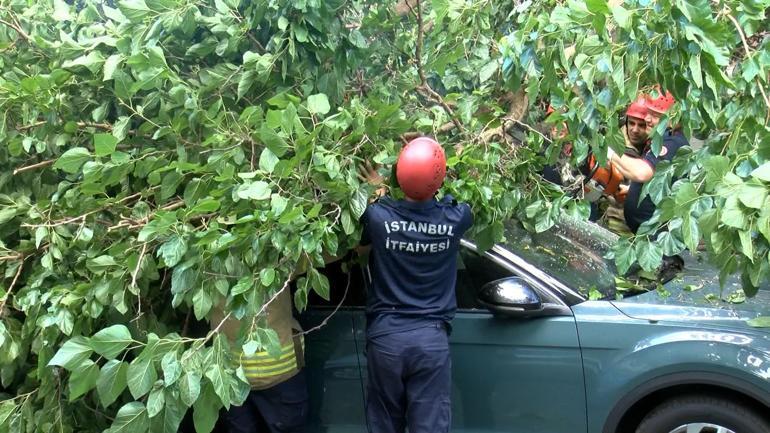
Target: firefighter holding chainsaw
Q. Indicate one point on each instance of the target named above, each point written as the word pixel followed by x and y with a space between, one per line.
pixel 615 186
pixel 640 170
pixel 412 246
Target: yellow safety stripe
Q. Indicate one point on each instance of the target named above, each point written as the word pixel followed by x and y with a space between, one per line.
pixel 271 373
pixel 270 368
pixel 247 360
pixel 289 348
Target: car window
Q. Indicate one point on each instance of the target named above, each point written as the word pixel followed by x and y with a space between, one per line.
pixel 473 272
pixel 572 251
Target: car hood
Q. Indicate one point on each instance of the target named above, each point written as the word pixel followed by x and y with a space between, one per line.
pixel 695 296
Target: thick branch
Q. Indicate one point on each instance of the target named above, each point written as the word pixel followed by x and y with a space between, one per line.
pixel 82 217
pixel 10 288
pixel 421 70
pixel 748 56
pixel 133 224
pixel 33 166
pixel 104 126
pixel 442 128
pixel 138 266
pixel 17 28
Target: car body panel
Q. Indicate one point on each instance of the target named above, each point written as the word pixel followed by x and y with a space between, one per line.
pixel 574 372
pixel 506 373
pixel 622 353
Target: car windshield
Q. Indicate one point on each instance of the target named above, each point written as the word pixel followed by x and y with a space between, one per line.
pixel 571 251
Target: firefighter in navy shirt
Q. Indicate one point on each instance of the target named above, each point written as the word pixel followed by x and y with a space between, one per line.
pixel 641 170
pixel 412 245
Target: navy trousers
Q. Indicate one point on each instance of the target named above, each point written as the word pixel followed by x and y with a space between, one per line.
pixel 410 381
pixel 282 408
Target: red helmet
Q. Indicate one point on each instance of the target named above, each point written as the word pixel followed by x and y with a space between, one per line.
pixel 661 103
pixel 421 168
pixel 637 109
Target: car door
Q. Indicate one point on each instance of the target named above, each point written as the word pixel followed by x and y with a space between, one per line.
pixel 512 375
pixel 332 353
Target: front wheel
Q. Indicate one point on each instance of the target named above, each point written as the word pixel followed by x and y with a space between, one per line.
pixel 703 414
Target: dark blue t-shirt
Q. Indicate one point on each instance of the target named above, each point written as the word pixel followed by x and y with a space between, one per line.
pixel 636 212
pixel 413 262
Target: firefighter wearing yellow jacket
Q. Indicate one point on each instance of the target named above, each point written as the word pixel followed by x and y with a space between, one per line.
pixel 278 401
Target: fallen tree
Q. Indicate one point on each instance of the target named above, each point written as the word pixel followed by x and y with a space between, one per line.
pixel 160 157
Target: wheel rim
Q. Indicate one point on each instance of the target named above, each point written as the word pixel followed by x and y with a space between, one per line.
pixel 701 427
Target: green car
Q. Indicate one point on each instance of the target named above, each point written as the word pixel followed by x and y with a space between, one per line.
pixel 532 354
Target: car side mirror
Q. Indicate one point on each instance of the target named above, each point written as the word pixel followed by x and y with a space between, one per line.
pixel 511 297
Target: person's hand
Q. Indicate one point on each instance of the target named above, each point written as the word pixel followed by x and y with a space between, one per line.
pixel 626 138
pixel 368 173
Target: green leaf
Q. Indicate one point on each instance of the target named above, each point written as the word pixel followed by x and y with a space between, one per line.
pixel 669 244
pixel 269 340
pixel 762 172
pixel 318 104
pixel 92 61
pixel 61 11
pixel 131 418
pixel 622 16
pixel 747 246
pixel 763 225
pixel 83 379
pixel 267 160
pixel 216 374
pixel 319 283
pixel 111 382
pixel 7 408
pixel 247 80
pixel 759 322
pixel 597 6
pixel 267 276
pixel 109 342
pixel 690 233
pixel 111 65
pixel 273 141
pixel 695 70
pixel 752 195
pixel 71 160
pixel 357 39
pixel 625 256
pixel 488 70
pixel 40 235
pixel 121 128
pixel 104 144
pixel 100 264
pixel 732 214
pixel 202 303
pixel 358 201
pixel 172 370
pixel 347 223
pixel 155 402
pixel 173 414
pixel 190 388
pixel 141 376
pixel 649 255
pixel 134 10
pixel 72 353
pixel 173 250
pixel 206 410
pixel 242 286
pixel 258 190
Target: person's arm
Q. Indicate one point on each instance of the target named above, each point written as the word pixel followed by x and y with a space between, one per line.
pixel 633 169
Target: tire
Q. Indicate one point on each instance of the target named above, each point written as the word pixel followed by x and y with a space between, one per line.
pixel 703 414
